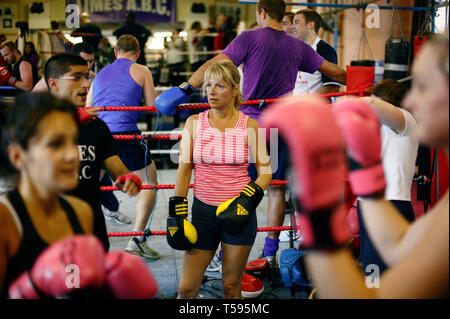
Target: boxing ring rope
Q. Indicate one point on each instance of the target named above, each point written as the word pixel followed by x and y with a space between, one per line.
pixel 190 106
pixel 163 233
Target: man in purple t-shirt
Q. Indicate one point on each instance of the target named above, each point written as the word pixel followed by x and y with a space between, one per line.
pixel 271 59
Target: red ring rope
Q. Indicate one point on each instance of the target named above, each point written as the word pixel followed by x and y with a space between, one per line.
pixel 191 106
pixel 172 186
pixel 163 233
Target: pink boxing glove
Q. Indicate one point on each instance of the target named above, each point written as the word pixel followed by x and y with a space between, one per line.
pixel 69 267
pixel 128 277
pixel 361 130
pixel 317 155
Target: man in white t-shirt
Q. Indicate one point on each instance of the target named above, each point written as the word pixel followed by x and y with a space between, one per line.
pixel 398 152
pixel 306 24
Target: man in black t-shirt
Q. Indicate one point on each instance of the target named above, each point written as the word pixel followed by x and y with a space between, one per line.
pixel 67 77
pixel 93 34
pixel 140 32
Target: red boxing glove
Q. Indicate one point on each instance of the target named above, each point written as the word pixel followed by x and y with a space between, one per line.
pixel 318 159
pixel 6 76
pixel 130 176
pixel 68 267
pixel 361 130
pixel 83 116
pixel 128 277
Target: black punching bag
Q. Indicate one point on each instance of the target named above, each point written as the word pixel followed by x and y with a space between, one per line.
pixel 396 62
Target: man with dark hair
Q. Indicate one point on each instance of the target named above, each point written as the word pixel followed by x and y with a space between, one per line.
pixel 82 49
pixel 227 28
pixel 125 83
pixel 305 27
pixel 86 51
pixel 23 74
pixel 287 22
pixel 271 59
pixel 137 30
pixel 67 77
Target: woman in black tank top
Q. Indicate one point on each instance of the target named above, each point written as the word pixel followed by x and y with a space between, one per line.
pixel 38 144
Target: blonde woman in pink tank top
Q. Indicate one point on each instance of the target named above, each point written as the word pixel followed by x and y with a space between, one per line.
pixel 218 145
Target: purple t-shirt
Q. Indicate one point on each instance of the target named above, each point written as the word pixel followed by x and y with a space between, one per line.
pixel 271 61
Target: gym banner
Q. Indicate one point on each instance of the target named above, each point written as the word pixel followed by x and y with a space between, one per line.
pixel 114 11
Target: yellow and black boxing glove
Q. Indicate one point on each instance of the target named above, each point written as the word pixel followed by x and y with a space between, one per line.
pixel 181 234
pixel 234 214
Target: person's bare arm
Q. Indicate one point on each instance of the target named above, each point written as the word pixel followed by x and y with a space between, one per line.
pixel 196 79
pixel 328 89
pixel 258 150
pixel 185 163
pixel 40 87
pixel 333 71
pixel 422 273
pixel 9 240
pixel 148 89
pixel 388 114
pixel 26 74
pixel 393 236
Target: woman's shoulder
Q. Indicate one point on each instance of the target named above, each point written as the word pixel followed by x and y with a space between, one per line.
pixel 251 122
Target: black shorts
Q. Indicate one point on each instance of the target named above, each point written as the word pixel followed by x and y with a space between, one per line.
pixel 135 154
pixel 210 235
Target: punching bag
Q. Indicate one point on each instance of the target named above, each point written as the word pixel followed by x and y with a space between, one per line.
pixel 396 58
pixel 396 61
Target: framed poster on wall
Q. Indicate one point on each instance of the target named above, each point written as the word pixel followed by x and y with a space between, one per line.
pixel 8 17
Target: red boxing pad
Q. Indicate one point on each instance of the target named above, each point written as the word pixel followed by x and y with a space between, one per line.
pixel 360 77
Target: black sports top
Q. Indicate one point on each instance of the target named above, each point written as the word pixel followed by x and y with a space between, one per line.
pixel 32 244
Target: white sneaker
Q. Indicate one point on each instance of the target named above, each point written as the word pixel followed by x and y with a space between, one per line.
pixel 215 264
pixel 141 249
pixel 284 236
pixel 118 217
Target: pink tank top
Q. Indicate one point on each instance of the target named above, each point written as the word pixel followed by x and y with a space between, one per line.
pixel 220 160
